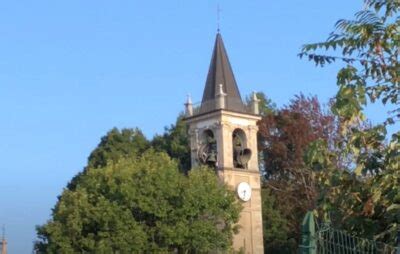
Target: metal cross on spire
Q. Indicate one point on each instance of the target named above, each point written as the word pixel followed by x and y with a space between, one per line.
pixel 218 17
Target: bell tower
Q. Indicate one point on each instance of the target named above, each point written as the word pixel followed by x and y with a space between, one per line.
pixel 223 135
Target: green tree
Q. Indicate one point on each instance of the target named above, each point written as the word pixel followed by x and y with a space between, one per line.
pixel 365 198
pixel 370 46
pixel 117 144
pixel 367 205
pixel 114 146
pixel 142 204
pixel 275 226
pixel 266 105
pixel 175 142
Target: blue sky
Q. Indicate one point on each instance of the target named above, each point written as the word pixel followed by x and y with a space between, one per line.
pixel 72 70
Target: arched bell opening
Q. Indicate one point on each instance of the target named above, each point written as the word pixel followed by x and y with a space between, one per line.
pixel 207 152
pixel 241 154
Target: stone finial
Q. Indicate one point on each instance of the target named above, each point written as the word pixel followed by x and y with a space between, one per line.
pixel 220 97
pixel 255 104
pixel 189 106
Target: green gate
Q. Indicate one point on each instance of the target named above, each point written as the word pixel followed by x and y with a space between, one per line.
pixel 327 240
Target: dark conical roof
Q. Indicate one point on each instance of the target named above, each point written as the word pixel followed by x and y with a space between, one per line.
pixel 220 72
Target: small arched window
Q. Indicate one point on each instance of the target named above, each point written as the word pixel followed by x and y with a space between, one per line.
pixel 241 154
pixel 207 152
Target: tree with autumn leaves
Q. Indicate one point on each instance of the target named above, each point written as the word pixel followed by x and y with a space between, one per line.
pixel 289 185
pixel 350 177
pixel 364 198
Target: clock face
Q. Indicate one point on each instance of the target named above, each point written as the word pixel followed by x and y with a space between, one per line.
pixel 244 191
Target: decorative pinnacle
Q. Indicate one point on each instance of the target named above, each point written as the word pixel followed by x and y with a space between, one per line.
pixel 189 99
pixel 189 106
pixel 255 97
pixel 221 90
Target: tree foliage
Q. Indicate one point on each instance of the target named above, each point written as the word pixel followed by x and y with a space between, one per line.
pixel 114 146
pixel 142 204
pixel 276 233
pixel 175 142
pixel 370 46
pixel 365 198
pixel 286 135
pixel 266 105
pixel 364 204
pixel 284 140
pixel 117 144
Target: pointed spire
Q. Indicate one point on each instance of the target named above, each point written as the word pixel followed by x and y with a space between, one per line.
pixel 220 72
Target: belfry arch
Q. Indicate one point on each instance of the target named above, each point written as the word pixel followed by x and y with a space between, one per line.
pixel 241 154
pixel 207 151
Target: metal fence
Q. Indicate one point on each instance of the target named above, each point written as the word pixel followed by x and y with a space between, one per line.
pixel 331 240
pixel 328 240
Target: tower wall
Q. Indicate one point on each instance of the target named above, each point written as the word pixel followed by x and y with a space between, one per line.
pixel 223 123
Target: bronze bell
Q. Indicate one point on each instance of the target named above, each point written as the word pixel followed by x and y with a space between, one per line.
pixel 212 157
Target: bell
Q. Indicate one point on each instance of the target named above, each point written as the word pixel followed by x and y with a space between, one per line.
pixel 242 157
pixel 212 157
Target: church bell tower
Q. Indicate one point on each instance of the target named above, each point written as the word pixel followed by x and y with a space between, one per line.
pixel 223 135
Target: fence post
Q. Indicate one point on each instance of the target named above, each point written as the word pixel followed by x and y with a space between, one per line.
pixel 398 242
pixel 308 240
